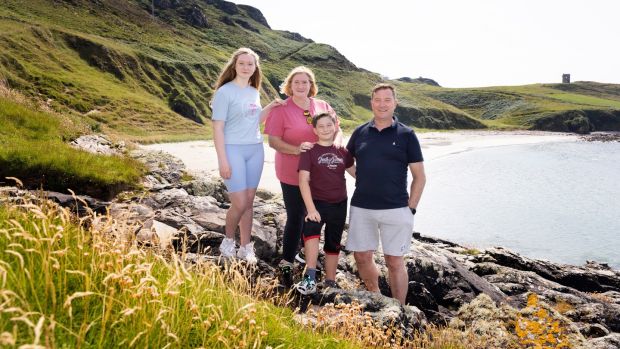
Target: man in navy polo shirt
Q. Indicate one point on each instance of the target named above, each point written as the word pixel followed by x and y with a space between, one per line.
pixel 381 208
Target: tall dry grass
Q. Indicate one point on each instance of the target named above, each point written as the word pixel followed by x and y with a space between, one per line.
pixel 81 283
pixel 84 283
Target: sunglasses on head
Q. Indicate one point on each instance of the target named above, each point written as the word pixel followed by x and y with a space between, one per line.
pixel 308 117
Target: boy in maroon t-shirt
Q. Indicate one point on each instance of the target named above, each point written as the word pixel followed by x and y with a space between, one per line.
pixel 323 188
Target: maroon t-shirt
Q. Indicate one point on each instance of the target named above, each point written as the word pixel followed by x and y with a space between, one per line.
pixel 326 166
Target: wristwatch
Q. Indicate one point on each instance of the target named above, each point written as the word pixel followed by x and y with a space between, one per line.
pixel 413 211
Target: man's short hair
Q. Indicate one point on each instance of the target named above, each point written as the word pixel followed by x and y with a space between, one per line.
pixel 319 116
pixel 383 86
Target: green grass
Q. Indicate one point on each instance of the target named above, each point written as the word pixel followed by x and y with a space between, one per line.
pixel 130 73
pixel 140 74
pixel 66 285
pixel 33 148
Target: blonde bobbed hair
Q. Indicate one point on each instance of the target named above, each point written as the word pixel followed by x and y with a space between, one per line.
pixel 286 87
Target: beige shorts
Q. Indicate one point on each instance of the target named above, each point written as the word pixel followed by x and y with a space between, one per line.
pixel 393 226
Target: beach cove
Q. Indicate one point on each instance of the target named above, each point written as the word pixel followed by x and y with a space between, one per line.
pixel 200 155
pixel 523 190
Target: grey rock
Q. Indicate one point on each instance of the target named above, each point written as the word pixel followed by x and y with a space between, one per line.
pixel 131 212
pixel 169 197
pixel 195 17
pixel 442 276
pixel 98 144
pixel 419 80
pixel 155 233
pixel 255 14
pixel 592 277
pixel 384 310
pixel 205 242
pixel 265 194
pixel 601 137
pixel 213 221
pixel 226 6
pixel 611 341
pixel 164 170
pixel 208 186
pixel 593 330
pixel 80 204
pixel 166 4
pixel 295 36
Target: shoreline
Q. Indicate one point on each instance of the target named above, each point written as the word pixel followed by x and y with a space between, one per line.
pixel 200 156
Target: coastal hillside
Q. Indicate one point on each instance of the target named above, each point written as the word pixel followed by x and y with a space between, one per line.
pixel 144 71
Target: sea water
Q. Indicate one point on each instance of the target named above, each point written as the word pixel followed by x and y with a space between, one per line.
pixel 554 201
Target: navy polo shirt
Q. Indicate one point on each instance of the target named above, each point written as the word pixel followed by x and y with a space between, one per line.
pixel 382 160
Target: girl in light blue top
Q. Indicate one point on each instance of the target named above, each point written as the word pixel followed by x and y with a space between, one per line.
pixel 236 117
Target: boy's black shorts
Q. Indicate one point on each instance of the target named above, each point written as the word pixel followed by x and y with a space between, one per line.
pixel 333 216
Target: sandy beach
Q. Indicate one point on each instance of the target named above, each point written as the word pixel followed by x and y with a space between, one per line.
pixel 200 156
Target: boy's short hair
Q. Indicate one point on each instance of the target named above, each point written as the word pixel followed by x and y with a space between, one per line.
pixel 319 116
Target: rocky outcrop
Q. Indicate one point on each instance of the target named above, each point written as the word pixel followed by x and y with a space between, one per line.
pixel 445 278
pixel 481 291
pixel 601 137
pixel 589 294
pixel 166 4
pixel 164 171
pixel 323 55
pixel 183 105
pixel 255 14
pixel 580 121
pixel 295 36
pixel 226 6
pixel 246 25
pixel 98 144
pixel 195 17
pixel 419 80
pixel 592 277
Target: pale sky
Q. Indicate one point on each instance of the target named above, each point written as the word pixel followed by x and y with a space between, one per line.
pixel 463 43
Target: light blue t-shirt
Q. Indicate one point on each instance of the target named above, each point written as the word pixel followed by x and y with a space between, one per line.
pixel 239 108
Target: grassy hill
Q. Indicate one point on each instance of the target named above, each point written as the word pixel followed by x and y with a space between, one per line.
pixel 578 107
pixel 118 69
pixel 34 148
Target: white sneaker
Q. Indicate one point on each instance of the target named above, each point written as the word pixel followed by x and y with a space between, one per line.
pixel 247 253
pixel 227 248
pixel 306 286
pixel 301 258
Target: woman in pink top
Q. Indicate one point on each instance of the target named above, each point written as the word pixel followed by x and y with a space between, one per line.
pixel 290 131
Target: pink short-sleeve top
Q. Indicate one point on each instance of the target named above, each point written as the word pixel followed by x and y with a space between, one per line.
pixel 289 123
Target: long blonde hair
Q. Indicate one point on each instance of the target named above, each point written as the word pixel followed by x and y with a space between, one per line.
pixel 286 87
pixel 229 73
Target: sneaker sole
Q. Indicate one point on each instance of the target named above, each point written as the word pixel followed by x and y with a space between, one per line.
pixel 306 293
pixel 299 259
pixel 319 266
